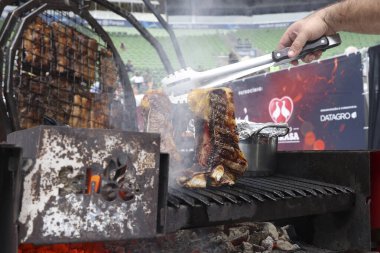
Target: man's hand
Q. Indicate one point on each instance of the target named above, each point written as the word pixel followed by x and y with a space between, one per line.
pixel 310 28
pixel 345 15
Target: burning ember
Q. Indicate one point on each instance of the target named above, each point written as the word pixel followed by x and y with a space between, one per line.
pixel 245 237
pixel 65 248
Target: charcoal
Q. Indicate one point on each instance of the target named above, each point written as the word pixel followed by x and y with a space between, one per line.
pixel 247 247
pixel 268 243
pixel 227 239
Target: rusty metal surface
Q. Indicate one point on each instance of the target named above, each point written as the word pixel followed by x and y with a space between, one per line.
pixel 56 204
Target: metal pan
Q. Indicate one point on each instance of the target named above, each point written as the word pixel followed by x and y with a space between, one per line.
pixel 260 150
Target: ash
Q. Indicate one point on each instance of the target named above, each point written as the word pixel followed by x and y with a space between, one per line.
pixel 244 237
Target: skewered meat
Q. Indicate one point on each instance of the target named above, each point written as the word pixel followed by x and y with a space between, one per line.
pixel 36 44
pixel 92 49
pixel 85 106
pixel 80 111
pixel 66 96
pixel 99 114
pixel 46 49
pixel 157 111
pixel 217 149
pixel 75 111
pixel 63 36
pixel 84 56
pixel 108 71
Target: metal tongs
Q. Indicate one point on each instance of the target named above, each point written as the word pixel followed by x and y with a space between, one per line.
pixel 183 81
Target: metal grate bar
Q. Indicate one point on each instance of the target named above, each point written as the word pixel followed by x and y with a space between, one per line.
pixel 240 195
pixel 173 201
pixel 328 187
pixel 249 193
pixel 188 200
pixel 313 189
pixel 258 191
pixel 323 190
pixel 210 195
pixel 288 187
pixel 223 194
pixel 275 190
pixel 195 195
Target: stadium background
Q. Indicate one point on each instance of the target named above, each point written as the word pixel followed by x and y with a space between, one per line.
pixel 208 41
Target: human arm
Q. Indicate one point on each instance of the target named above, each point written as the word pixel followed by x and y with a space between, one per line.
pixel 360 16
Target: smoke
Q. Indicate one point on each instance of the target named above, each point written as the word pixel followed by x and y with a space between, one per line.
pixel 174 123
pixel 184 132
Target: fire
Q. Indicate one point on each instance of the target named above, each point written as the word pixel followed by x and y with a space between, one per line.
pixel 64 248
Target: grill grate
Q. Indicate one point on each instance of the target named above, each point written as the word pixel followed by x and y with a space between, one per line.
pixel 61 73
pixel 250 190
pixel 60 67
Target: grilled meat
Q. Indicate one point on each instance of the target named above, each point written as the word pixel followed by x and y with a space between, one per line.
pixel 108 71
pixel 157 112
pixel 37 51
pixel 59 64
pixel 63 36
pixel 217 149
pixel 198 180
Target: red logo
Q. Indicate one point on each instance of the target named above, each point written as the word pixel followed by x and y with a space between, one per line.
pixel 280 110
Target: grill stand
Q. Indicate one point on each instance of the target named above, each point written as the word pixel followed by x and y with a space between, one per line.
pixel 322 194
pixel 10 190
pixel 334 218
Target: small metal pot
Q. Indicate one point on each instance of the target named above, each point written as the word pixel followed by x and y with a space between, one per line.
pixel 260 150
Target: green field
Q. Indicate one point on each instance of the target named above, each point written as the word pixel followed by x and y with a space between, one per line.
pixel 205 48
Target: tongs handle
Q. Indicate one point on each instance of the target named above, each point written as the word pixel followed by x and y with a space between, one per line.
pixel 323 43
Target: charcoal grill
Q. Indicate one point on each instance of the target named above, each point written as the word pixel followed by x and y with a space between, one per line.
pixel 325 194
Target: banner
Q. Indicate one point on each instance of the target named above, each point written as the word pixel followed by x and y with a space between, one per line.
pixel 322 102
